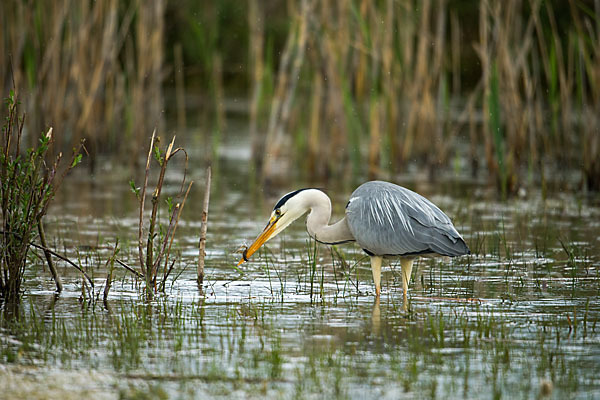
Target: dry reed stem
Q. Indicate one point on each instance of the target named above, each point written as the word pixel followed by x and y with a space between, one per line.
pixel 150 267
pixel 217 71
pixel 110 263
pixel 256 70
pixel 170 237
pixel 397 51
pixel 315 125
pixel 128 268
pixel 417 91
pixel 482 50
pixel 441 145
pixel 180 88
pixel 147 93
pixel 455 34
pixel 374 144
pixel 335 108
pixel 142 202
pixel 152 261
pixel 55 254
pixel 391 101
pixel 521 58
pixel 73 68
pixel 360 76
pixel 285 92
pixel 48 256
pixel 203 229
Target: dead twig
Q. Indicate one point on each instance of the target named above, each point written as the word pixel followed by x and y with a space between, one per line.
pixel 142 201
pixel 150 270
pixel 203 228
pixel 109 275
pixel 48 256
pixel 174 222
pixel 128 268
pixel 55 254
pixel 158 241
pixel 174 219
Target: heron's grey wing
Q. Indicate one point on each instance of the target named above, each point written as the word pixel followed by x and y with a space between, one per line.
pixel 387 219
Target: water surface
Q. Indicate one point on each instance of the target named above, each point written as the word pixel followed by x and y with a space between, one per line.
pixel 517 318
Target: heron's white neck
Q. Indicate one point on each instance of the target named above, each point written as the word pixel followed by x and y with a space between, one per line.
pixel 317 222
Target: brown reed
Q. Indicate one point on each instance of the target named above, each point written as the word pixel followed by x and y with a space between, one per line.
pixel 91 69
pixel 532 103
pixel 516 82
pixel 159 238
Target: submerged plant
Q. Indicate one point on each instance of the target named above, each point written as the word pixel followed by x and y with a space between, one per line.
pixel 28 184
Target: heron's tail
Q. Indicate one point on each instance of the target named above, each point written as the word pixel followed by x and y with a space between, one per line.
pixel 448 245
pixel 458 248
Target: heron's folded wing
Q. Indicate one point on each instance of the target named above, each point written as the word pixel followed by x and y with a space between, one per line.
pixel 387 219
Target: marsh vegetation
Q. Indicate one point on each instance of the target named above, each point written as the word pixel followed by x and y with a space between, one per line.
pixel 503 91
pixel 489 109
pixel 517 317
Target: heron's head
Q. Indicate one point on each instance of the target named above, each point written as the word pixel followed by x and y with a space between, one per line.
pixel 288 209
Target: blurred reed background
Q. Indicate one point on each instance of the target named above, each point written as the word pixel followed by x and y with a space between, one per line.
pixel 502 90
pixel 91 70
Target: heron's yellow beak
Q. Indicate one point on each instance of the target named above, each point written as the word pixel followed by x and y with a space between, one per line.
pixel 266 234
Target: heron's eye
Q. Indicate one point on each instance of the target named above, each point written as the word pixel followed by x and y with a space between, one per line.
pixel 278 212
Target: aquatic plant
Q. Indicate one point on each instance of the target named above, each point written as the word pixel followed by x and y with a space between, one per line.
pixel 203 229
pixel 159 238
pixel 29 179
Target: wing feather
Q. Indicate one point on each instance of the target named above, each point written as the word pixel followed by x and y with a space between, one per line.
pixel 387 219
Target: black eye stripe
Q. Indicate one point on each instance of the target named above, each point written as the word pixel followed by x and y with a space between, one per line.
pixel 288 196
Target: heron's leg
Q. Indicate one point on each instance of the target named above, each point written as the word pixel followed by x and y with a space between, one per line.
pixel 407 264
pixel 376 270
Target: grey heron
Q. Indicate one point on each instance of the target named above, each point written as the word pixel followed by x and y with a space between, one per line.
pixel 384 219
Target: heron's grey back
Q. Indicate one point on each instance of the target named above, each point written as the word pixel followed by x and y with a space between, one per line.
pixel 387 219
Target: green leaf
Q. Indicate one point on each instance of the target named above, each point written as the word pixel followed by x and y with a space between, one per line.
pixel 10 100
pixel 158 155
pixel 170 204
pixel 76 160
pixel 134 189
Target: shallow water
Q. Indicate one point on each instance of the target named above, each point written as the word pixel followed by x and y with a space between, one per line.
pixel 517 318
